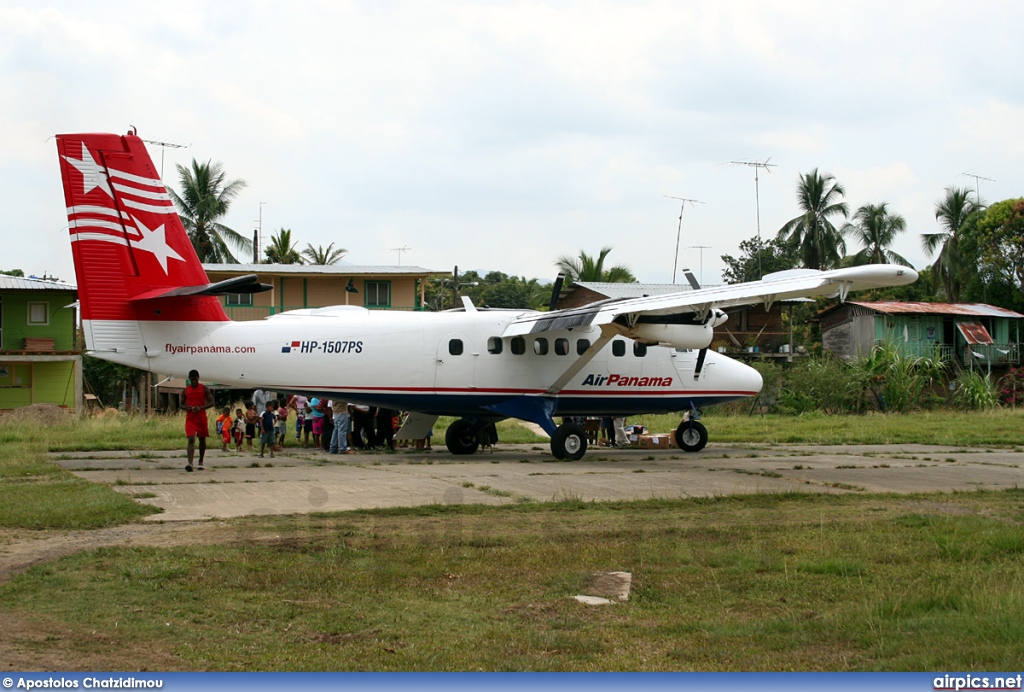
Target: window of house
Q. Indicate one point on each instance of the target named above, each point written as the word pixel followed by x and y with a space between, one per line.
pixel 518 345
pixel 561 347
pixel 494 345
pixel 540 346
pixel 619 348
pixel 238 300
pixel 455 347
pixel 639 349
pixel 581 346
pixel 38 313
pixel 377 294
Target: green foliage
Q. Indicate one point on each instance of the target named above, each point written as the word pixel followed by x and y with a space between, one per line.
pixel 975 392
pixel 875 227
pixel 952 213
pixel 107 380
pixel 812 235
pixel 757 258
pixel 823 384
pixel 587 268
pixel 1001 245
pixel 900 381
pixel 281 249
pixel 12 272
pixel 323 255
pixel 205 199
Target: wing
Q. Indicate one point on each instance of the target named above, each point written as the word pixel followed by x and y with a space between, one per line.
pixel 694 308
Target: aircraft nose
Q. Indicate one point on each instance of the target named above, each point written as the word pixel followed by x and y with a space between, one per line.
pixel 744 378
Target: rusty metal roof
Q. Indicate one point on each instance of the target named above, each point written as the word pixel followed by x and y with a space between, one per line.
pixel 960 309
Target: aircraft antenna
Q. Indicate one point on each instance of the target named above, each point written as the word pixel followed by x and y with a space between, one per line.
pixel 164 146
pixel 400 250
pixel 757 166
pixel 702 248
pixel 977 189
pixel 679 228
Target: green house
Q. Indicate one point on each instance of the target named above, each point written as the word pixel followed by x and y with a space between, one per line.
pixel 40 357
pixel 972 334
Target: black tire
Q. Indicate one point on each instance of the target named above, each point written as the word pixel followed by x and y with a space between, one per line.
pixel 691 436
pixel 569 442
pixel 459 439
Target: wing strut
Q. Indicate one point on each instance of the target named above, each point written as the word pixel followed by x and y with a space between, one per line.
pixel 607 334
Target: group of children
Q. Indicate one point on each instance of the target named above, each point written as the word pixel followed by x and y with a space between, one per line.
pixel 269 427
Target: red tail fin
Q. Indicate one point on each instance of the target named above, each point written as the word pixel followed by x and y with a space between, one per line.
pixel 126 237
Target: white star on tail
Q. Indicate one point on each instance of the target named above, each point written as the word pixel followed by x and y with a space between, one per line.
pixel 154 241
pixel 93 175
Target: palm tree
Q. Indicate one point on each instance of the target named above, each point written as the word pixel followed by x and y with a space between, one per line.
pixel 951 212
pixel 323 255
pixel 587 268
pixel 876 229
pixel 205 198
pixel 817 241
pixel 281 250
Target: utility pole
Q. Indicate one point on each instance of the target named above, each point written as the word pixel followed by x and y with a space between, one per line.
pixel 257 236
pixel 757 166
pixel 679 229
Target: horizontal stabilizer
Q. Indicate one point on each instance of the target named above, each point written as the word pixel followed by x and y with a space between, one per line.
pixel 249 283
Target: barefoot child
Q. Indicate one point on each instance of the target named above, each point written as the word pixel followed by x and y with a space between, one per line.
pixel 238 429
pixel 224 427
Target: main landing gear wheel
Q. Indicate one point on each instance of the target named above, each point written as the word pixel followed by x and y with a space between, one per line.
pixel 460 439
pixel 691 436
pixel 569 442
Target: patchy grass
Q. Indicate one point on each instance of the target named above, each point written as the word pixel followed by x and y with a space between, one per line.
pixel 763 582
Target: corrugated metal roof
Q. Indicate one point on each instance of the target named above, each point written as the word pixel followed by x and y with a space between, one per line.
pixel 30 283
pixel 962 309
pixel 329 269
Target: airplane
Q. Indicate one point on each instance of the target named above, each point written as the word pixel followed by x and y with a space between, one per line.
pixel 147 302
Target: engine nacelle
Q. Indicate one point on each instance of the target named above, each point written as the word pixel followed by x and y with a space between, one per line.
pixel 679 335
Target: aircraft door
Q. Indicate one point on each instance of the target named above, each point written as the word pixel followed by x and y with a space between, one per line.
pixel 685 362
pixel 455 365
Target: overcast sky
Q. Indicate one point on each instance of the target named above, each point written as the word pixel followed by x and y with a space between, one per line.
pixel 500 135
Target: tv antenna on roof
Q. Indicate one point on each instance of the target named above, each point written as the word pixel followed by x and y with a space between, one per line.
pixel 164 146
pixel 679 228
pixel 702 248
pixel 977 189
pixel 400 250
pixel 757 166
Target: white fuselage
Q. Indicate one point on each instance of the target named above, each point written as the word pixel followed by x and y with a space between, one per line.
pixel 445 363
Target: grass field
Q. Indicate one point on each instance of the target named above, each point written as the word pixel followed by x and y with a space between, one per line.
pixel 761 582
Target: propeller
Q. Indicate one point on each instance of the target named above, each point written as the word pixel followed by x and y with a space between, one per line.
pixel 701 354
pixel 556 289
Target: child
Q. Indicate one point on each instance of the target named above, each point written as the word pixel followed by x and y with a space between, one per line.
pixel 282 423
pixel 224 427
pixel 252 421
pixel 239 429
pixel 268 428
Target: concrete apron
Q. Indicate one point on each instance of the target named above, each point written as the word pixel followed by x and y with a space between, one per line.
pixel 299 481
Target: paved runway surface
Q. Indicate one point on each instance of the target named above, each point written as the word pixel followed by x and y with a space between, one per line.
pixel 300 481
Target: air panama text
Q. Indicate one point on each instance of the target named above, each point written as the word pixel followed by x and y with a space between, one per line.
pixel 175 349
pixel 626 381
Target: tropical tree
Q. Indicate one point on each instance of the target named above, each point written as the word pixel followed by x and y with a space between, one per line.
pixel 587 268
pixel 323 255
pixel 876 228
pixel 757 258
pixel 951 212
pixel 205 198
pixel 818 242
pixel 281 250
pixel 12 272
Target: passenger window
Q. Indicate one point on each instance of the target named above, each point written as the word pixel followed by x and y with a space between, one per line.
pixel 494 345
pixel 540 346
pixel 639 349
pixel 518 345
pixel 581 346
pixel 619 348
pixel 455 347
pixel 561 347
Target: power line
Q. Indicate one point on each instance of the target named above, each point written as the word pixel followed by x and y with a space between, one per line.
pixel 679 228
